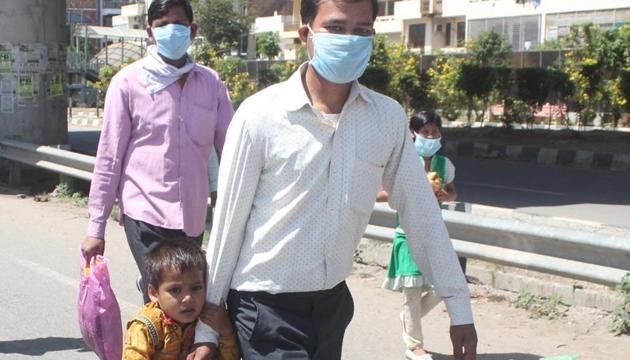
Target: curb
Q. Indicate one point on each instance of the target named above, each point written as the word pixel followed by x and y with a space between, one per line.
pixel 579 159
pixel 378 253
pixel 86 119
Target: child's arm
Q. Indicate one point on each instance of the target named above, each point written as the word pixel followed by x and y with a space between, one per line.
pixel 228 348
pixel 138 344
pixel 448 194
pixel 217 317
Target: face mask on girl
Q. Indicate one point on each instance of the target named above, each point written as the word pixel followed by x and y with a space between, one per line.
pixel 339 58
pixel 172 40
pixel 426 147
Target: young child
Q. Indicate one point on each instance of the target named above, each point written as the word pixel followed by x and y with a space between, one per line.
pixel 164 328
pixel 403 273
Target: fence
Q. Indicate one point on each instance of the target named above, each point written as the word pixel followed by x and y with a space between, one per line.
pixel 598 258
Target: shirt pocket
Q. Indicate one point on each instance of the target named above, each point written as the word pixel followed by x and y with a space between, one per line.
pixel 200 124
pixel 366 182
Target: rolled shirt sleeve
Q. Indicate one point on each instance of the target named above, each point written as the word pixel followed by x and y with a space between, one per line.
pixel 238 178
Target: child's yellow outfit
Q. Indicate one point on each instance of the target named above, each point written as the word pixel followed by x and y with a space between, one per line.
pixel 154 335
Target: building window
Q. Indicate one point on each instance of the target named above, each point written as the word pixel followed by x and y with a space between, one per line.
pixel 461 34
pixel 386 7
pixel 416 36
pixel 448 34
pixel 520 31
pixel 558 25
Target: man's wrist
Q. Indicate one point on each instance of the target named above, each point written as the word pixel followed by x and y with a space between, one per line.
pixel 459 310
pixel 205 334
pixel 96 229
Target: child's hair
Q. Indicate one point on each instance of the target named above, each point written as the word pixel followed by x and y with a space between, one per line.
pixel 422 118
pixel 159 8
pixel 177 254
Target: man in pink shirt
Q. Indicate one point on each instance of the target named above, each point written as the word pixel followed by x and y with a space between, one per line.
pixel 163 114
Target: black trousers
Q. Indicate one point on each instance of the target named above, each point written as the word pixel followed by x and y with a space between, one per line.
pixel 305 325
pixel 143 237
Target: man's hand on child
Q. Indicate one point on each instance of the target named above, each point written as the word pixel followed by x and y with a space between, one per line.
pixel 217 317
pixel 202 351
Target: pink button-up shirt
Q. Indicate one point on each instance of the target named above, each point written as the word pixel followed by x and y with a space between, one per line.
pixel 154 149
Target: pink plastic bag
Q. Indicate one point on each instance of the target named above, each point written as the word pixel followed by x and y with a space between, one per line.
pixel 99 313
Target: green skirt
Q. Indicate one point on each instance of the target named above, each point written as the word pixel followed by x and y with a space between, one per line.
pixel 403 271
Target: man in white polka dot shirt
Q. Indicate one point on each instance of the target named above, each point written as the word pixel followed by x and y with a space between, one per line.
pixel 301 167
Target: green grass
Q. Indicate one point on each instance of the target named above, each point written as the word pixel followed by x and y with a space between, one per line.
pixel 540 307
pixel 620 323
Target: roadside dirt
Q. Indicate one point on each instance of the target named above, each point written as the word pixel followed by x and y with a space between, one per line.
pixel 505 332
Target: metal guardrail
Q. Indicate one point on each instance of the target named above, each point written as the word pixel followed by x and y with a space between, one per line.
pixel 50 158
pixel 597 258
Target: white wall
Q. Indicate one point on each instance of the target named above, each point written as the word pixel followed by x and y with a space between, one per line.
pixel 506 8
pixel 409 9
pixel 388 25
pixel 268 23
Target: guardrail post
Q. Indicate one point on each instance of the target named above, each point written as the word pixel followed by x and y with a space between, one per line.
pixel 463 207
pixel 65 179
pixel 15 173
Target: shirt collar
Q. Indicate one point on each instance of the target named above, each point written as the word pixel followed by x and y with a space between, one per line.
pixel 296 94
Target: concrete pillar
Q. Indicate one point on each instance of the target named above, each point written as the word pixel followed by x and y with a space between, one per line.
pixel 33 38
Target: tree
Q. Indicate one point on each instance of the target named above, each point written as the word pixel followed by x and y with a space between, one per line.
pixel 624 85
pixel 220 24
pixel 105 75
pixel 489 49
pixel 532 88
pixel 376 75
pixel 268 44
pixel 232 70
pixel 444 89
pixel 586 69
pixel 560 88
pixel 408 84
pixel 485 72
pixel 476 82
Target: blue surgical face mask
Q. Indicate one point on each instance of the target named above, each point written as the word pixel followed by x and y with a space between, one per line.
pixel 338 58
pixel 172 40
pixel 426 147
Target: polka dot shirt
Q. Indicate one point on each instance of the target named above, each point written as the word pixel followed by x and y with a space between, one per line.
pixel 297 187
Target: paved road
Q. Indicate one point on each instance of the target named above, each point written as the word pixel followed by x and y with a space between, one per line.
pixel 39 267
pixel 587 195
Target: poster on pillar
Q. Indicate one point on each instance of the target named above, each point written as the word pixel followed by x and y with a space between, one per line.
pixel 56 58
pixel 27 90
pixel 31 58
pixel 7 104
pixel 55 85
pixel 7 94
pixel 6 65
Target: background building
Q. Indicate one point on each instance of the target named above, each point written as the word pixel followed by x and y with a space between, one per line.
pixel 95 12
pixel 432 26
